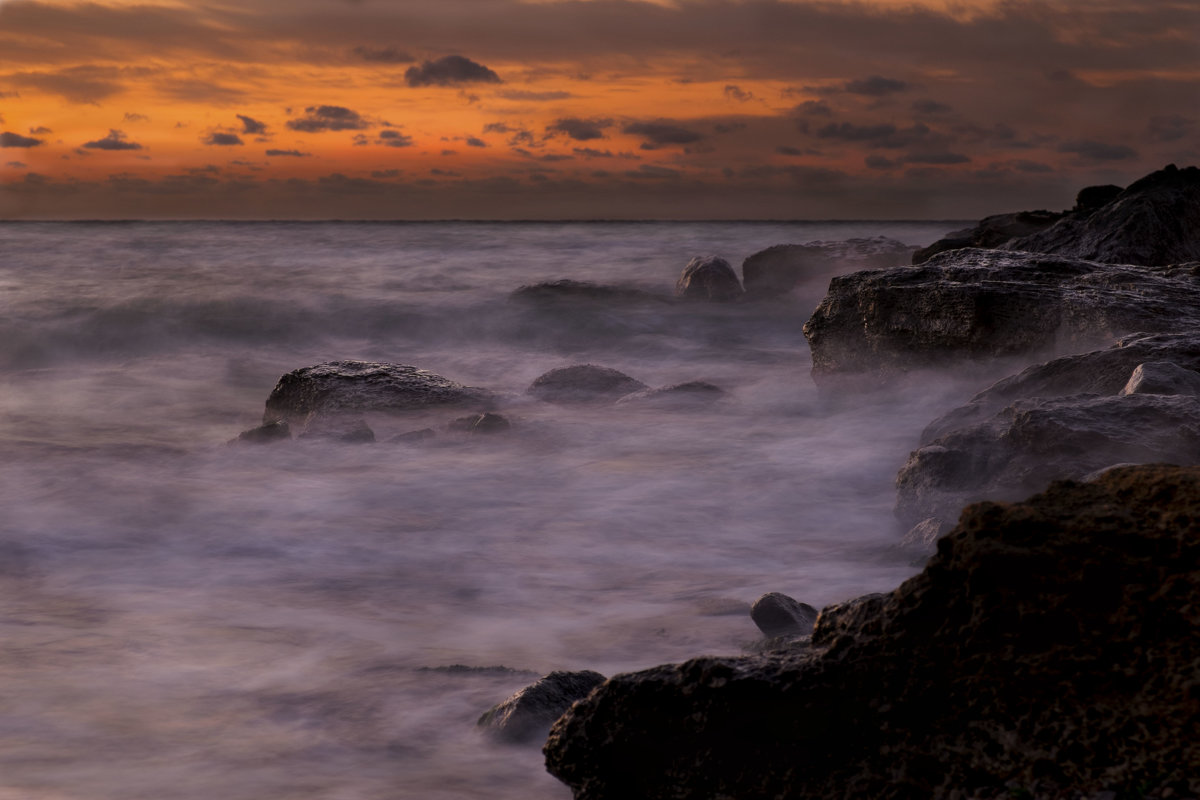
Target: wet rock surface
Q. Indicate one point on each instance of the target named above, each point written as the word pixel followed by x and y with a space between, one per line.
pixel 357 386
pixel 526 716
pixel 708 278
pixel 584 383
pixel 778 270
pixel 1048 649
pixel 776 614
pixel 682 396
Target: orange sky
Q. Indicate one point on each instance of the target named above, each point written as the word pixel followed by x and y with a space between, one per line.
pixel 604 108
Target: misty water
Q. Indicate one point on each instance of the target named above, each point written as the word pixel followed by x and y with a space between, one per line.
pixel 188 619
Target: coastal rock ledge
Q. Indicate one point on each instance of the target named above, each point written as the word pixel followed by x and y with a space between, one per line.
pixel 1050 649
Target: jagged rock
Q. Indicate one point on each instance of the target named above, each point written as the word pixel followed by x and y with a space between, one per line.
pixel 358 386
pixel 777 614
pixel 991 231
pixel 584 383
pixel 708 278
pixel 680 396
pixel 984 304
pixel 490 422
pixel 1048 647
pixel 1162 377
pixel 527 715
pixel 779 269
pixel 265 434
pixel 572 291
pixel 1154 221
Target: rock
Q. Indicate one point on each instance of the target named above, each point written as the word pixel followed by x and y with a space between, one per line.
pixel 583 383
pixel 1154 221
pixel 708 278
pixel 990 232
pixel 414 437
pixel 572 291
pixel 986 304
pixel 265 434
pixel 490 422
pixel 1048 644
pixel 358 386
pixel 527 715
pixel 680 396
pixel 349 428
pixel 779 269
pixel 777 614
pixel 924 535
pixel 1162 377
pixel 1092 198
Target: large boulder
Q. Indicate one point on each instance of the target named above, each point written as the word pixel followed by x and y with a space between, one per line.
pixel 983 304
pixel 584 383
pixel 341 387
pixel 1048 648
pixel 527 715
pixel 708 278
pixel 780 269
pixel 990 231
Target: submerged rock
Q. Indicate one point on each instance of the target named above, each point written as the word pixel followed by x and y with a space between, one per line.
pixel 1048 645
pixel 490 422
pixel 708 278
pixel 358 386
pixel 583 383
pixel 527 715
pixel 780 269
pixel 572 291
pixel 349 428
pixel 679 396
pixel 777 614
pixel 277 431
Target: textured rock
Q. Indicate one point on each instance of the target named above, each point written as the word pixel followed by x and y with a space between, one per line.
pixel 527 715
pixel 779 269
pixel 991 231
pixel 265 434
pixel 349 428
pixel 1049 647
pixel 1162 377
pixel 777 614
pixel 679 396
pixel 584 383
pixel 358 386
pixel 708 278
pixel 983 304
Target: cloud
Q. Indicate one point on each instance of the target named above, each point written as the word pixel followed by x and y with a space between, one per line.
pixel 383 55
pixel 449 71
pixel 195 90
pixel 15 164
pixel 80 84
pixel 390 138
pixel 1170 128
pixel 787 150
pixel 133 116
pixel 581 130
pixel 734 92
pixel 10 139
pixel 289 153
pixel 475 142
pixel 386 173
pixel 653 171
pixel 814 108
pixel 223 139
pixel 930 107
pixel 657 134
pixel 875 161
pixel 874 86
pixel 940 158
pixel 40 130
pixel 328 118
pixel 532 97
pixel 883 135
pixel 115 140
pixel 251 125
pixel 1097 151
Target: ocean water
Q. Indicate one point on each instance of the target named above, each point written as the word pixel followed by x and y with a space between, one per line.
pixel 188 619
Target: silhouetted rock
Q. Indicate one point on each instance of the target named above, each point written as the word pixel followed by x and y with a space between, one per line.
pixel 991 231
pixel 777 614
pixel 572 291
pixel 681 396
pixel 1091 198
pixel 1047 648
pixel 490 422
pixel 358 386
pixel 583 383
pixel 779 269
pixel 527 715
pixel 981 304
pixel 708 278
pixel 265 434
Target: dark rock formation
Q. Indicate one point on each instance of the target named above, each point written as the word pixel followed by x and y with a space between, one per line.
pixel 777 614
pixel 349 428
pixel 779 269
pixel 584 383
pixel 981 304
pixel 708 278
pixel 358 386
pixel 527 715
pixel 572 291
pixel 990 232
pixel 265 434
pixel 1156 220
pixel 1162 377
pixel 680 396
pixel 490 422
pixel 1049 647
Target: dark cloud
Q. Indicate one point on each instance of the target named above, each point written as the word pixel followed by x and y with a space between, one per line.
pixel 328 118
pixel 787 150
pixel 10 139
pixel 289 153
pixel 814 108
pixel 653 171
pixel 1170 128
pixel 884 135
pixel 40 130
pixel 940 158
pixel 223 139
pixel 133 116
pixel 386 173
pixel 15 164
pixel 589 152
pixel 390 138
pixel 734 92
pixel 449 71
pixel 728 127
pixel 195 90
pixel 498 127
pixel 80 84
pixel 115 140
pixel 251 125
pixel 532 97
pixel 473 141
pixel 658 134
pixel 581 130
pixel 449 152
pixel 1024 165
pixel 875 161
pixel 383 55
pixel 875 86
pixel 1097 151
pixel 930 107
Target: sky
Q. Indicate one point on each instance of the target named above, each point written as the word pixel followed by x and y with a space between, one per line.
pixel 587 109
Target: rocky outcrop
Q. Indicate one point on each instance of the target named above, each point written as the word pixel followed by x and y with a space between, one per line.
pixel 1049 647
pixel 708 278
pixel 679 396
pixel 778 270
pixel 984 304
pixel 337 387
pixel 991 231
pixel 584 383
pixel 1136 402
pixel 526 716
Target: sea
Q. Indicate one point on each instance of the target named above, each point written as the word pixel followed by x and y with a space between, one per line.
pixel 192 619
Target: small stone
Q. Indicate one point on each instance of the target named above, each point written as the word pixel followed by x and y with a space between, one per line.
pixel 777 614
pixel 265 434
pixel 527 715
